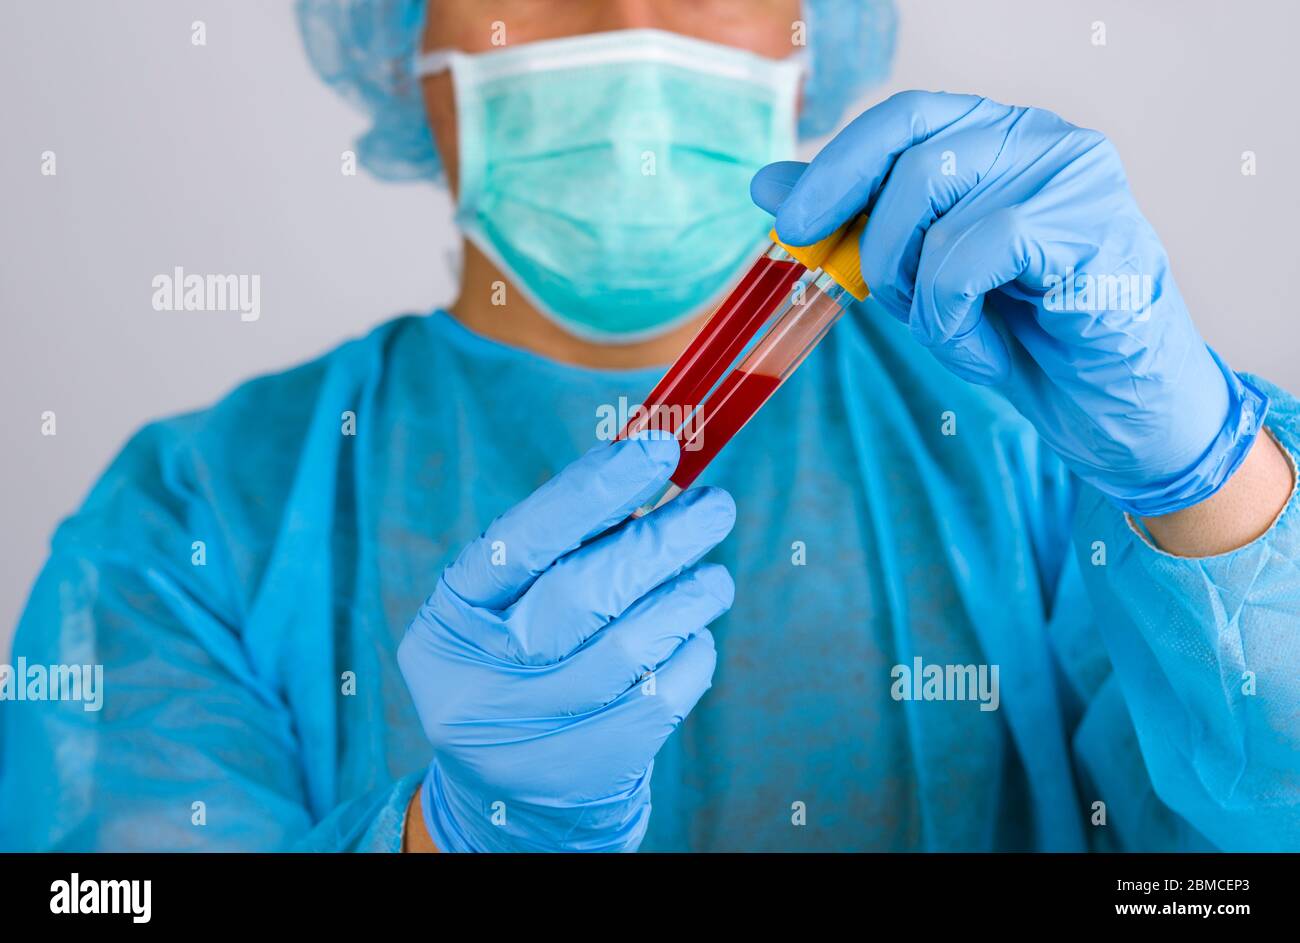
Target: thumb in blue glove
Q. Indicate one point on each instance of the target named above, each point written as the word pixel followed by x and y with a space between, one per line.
pixel 1007 239
pixel 556 656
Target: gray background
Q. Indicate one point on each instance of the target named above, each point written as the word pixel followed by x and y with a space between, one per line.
pixel 225 158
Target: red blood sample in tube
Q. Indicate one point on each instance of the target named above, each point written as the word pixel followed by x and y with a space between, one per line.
pixel 732 404
pixel 716 346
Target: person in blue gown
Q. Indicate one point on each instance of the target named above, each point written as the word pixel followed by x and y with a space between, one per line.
pixel 996 569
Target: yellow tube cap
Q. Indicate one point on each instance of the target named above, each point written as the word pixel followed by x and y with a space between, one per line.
pixel 814 256
pixel 837 255
pixel 845 261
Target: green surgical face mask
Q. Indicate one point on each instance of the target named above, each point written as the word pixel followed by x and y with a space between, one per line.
pixel 608 174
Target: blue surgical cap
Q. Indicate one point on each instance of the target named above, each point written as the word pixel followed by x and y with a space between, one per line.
pixel 364 50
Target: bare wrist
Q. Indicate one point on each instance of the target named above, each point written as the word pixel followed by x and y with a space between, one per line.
pixel 415 836
pixel 1239 512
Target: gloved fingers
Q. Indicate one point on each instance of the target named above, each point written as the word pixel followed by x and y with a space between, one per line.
pixel 628 732
pixel 927 181
pixel 596 583
pixel 622 736
pixel 959 264
pixel 773 183
pixel 587 497
pixel 844 177
pixel 644 637
pixel 978 354
pixel 648 712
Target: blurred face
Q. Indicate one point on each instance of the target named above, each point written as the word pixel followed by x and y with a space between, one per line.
pixel 761 26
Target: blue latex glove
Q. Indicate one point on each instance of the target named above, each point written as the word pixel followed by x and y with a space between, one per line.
pixel 530 663
pixel 1008 240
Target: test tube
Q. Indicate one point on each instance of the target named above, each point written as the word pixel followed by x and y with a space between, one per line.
pixel 800 322
pixel 733 325
pixel 796 331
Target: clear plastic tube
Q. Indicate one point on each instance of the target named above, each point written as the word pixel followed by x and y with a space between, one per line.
pixel 798 327
pixel 732 326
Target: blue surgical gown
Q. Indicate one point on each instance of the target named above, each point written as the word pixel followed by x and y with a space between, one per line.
pixel 244 575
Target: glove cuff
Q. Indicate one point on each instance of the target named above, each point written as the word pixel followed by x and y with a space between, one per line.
pixel 1247 407
pixel 617 823
pixel 437 814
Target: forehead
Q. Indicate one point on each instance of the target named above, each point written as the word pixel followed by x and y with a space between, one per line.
pixel 762 26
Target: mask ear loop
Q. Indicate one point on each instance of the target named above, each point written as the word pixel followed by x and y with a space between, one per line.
pixel 433 62
pixel 803 60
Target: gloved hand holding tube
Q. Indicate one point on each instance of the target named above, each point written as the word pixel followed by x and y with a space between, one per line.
pixel 1009 242
pixel 555 656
